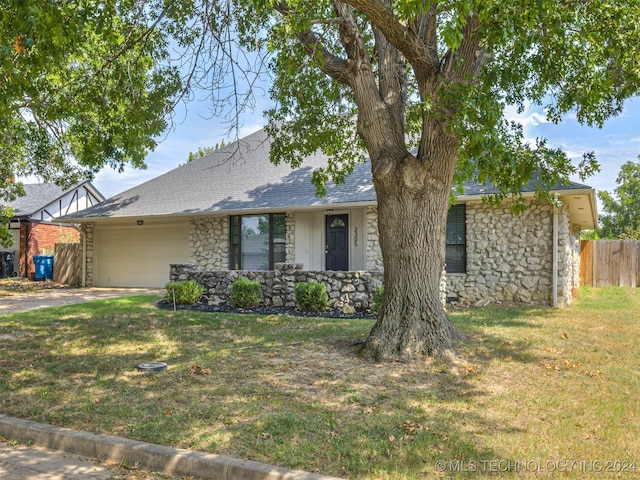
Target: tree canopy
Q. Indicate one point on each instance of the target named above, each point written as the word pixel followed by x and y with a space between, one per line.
pixel 84 84
pixel 621 215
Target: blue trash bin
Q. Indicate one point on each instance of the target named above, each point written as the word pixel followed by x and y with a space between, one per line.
pixel 43 266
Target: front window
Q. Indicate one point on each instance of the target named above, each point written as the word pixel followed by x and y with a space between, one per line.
pixel 456 256
pixel 256 241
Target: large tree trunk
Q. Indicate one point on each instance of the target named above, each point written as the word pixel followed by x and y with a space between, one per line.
pixel 413 199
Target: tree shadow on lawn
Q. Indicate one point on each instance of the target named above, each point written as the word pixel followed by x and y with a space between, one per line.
pixel 299 403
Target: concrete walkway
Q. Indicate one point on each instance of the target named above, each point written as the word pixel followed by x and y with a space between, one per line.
pixel 18 462
pixel 23 302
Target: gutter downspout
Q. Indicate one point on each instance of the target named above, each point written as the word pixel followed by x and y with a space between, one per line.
pixel 554 275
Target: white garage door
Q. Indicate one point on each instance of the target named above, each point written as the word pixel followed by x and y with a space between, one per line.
pixel 139 256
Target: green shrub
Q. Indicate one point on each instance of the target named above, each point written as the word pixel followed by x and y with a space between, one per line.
pixel 377 300
pixel 186 292
pixel 311 296
pixel 245 293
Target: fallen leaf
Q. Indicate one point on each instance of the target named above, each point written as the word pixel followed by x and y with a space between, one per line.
pixel 196 369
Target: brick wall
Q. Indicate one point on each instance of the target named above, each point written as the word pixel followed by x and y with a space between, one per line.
pixel 40 239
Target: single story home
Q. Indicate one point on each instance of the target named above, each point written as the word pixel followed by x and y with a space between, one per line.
pixel 34 225
pixel 232 210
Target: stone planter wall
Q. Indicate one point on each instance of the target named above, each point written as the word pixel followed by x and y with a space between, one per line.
pixel 355 289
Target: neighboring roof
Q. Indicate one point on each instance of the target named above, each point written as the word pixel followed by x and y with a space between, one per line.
pixel 38 195
pixel 239 177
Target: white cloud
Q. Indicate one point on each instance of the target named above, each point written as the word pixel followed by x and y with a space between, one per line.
pixel 530 116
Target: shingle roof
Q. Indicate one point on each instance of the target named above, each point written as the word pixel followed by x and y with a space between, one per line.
pixel 474 188
pixel 238 177
pixel 36 197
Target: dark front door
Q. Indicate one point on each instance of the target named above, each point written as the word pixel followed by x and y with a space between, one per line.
pixel 337 246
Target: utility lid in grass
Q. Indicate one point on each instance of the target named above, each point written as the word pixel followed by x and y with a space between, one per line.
pixel 152 366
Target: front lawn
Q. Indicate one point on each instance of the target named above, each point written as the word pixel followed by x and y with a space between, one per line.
pixel 537 389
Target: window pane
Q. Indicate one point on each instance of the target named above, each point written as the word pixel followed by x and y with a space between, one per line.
pixel 337 223
pixel 279 238
pixel 455 259
pixel 279 227
pixel 255 242
pixel 235 230
pixel 456 225
pixel 279 253
pixel 234 243
pixel 234 257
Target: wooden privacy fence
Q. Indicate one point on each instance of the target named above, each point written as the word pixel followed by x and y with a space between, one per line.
pixel 66 264
pixel 610 262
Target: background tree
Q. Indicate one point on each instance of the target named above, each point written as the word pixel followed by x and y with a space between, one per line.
pixel 621 216
pixel 418 86
pixel 82 85
pixel 204 151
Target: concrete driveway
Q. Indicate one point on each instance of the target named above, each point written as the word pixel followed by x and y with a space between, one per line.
pixel 23 302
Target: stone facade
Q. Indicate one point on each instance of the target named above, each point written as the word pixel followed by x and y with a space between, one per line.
pixel 87 236
pixel 354 289
pixel 209 242
pixel 510 257
pixel 290 251
pixel 374 254
pixel 568 259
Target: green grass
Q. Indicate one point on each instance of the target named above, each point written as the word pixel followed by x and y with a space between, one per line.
pixel 533 386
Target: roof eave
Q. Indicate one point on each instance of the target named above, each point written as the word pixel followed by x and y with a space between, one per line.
pixel 247 211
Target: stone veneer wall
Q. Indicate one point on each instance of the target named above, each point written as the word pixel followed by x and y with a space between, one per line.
pixel 568 259
pixel 509 257
pixel 290 229
pixel 354 289
pixel 374 254
pixel 209 242
pixel 87 235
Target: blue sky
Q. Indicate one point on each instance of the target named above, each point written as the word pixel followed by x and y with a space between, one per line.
pixel 614 144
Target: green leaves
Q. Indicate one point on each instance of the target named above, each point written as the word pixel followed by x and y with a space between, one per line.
pixel 621 216
pixel 84 84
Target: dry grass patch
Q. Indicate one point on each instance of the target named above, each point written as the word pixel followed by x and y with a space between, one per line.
pixel 532 387
pixel 15 286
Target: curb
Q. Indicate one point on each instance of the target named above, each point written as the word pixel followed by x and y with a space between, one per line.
pixel 158 458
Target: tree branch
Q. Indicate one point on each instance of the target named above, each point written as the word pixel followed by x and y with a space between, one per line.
pixel 392 80
pixel 350 35
pixel 404 39
pixel 330 64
